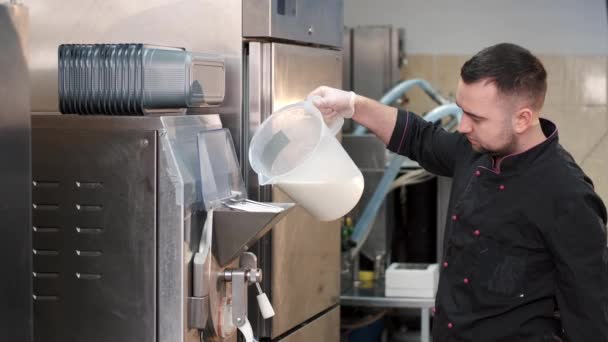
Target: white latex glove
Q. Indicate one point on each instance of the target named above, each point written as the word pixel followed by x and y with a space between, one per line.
pixel 333 102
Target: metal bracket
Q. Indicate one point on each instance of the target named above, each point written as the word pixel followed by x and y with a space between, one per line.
pixel 247 274
pixel 198 312
pixel 248 260
pixel 239 298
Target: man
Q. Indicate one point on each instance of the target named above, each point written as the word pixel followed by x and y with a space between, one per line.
pixel 525 251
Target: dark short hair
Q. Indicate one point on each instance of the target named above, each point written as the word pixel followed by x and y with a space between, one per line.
pixel 513 69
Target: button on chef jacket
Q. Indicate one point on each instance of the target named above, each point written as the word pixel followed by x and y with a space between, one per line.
pixel 525 256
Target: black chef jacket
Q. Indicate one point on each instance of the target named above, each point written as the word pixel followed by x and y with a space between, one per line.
pixel 525 238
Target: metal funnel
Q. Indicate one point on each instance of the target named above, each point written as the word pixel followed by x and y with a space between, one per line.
pixel 235 231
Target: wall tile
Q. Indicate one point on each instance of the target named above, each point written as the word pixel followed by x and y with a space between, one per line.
pixel 585 80
pixel 595 166
pixel 556 85
pixel 448 74
pixel 580 127
pixel 419 66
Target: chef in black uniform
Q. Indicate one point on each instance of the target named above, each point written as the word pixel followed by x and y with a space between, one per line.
pixel 525 255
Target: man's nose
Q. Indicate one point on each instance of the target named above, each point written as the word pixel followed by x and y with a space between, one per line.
pixel 465 125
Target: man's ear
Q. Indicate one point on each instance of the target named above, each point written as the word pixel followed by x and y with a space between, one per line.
pixel 523 119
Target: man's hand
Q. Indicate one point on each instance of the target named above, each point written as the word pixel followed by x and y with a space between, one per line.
pixel 333 102
pixel 378 118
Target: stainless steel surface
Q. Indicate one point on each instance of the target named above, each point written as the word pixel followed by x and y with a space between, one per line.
pixel 444 190
pixel 94 240
pixel 376 57
pixel 220 294
pixel 308 21
pixel 283 76
pixel 301 255
pixel 239 297
pixel 248 260
pixel 305 266
pixel 325 328
pixel 425 325
pixel 397 54
pixel 259 81
pixel 179 218
pixel 367 151
pixel 297 70
pixel 347 70
pixel 197 25
pixel 240 279
pixel 198 312
pixel 373 296
pixel 347 41
pixel 369 154
pixel 180 223
pixel 110 123
pixel 254 275
pixel 259 96
pixel 378 241
pixel 126 212
pixel 236 231
pixel 15 177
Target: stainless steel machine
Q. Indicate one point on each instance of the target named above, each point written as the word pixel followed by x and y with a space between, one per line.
pixel 117 229
pixel 118 201
pixel 15 170
pixel 373 58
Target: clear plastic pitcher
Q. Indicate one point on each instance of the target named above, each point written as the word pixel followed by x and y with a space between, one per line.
pixel 296 150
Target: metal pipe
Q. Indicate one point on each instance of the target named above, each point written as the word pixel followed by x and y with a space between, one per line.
pixel 397 92
pixel 364 225
pixel 439 112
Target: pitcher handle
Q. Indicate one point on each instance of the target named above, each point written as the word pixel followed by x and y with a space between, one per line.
pixel 335 124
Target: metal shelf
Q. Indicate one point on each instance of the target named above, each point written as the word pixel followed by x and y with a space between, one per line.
pixel 359 296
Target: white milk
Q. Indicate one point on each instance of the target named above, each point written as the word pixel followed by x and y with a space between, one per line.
pixel 328 184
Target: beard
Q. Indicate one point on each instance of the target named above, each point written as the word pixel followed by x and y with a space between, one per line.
pixel 506 148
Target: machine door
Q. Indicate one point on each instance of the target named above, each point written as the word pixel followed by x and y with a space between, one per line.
pixel 301 256
pixel 94 235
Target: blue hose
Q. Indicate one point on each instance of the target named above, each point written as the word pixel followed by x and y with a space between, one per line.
pixel 365 223
pixel 440 112
pixel 397 92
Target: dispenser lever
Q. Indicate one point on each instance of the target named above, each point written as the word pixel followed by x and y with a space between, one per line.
pixel 247 274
